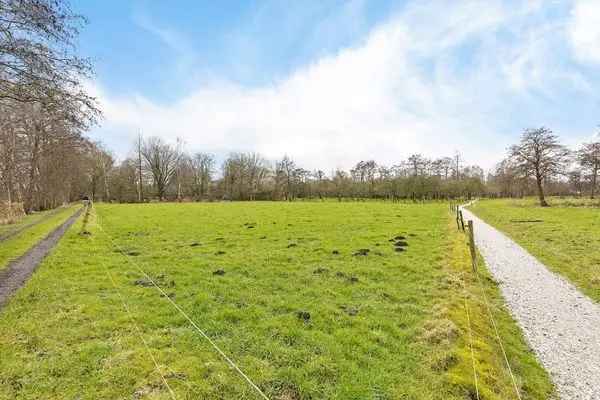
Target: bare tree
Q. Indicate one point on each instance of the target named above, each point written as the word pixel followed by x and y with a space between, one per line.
pixel 287 167
pixel 588 157
pixel 37 60
pixel 203 168
pixel 160 160
pixel 539 154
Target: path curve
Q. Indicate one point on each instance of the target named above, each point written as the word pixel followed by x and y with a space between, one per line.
pixel 561 324
pixel 18 271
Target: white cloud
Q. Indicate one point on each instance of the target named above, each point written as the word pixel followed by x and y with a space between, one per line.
pixel 407 88
pixel 584 29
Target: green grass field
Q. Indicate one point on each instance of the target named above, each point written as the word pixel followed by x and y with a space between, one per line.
pixel 43 222
pixel 565 236
pixel 281 289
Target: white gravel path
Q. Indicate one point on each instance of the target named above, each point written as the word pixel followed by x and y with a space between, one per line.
pixel 561 325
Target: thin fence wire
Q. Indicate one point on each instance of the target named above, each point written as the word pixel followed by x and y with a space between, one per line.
pixel 495 327
pixel 512 376
pixel 138 330
pixel 183 313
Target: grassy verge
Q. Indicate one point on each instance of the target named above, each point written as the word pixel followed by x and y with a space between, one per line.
pixel 27 219
pixel 16 246
pixel 472 301
pixel 278 287
pixel 565 236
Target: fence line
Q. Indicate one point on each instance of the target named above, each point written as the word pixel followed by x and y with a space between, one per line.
pixel 185 315
pixel 473 252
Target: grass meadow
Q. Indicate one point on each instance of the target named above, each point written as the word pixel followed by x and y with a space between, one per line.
pixel 565 236
pixel 311 300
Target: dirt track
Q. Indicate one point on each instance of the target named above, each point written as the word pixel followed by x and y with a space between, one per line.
pixel 18 271
pixel 14 232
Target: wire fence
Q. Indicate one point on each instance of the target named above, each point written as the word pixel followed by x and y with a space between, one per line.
pixel 197 328
pixel 469 230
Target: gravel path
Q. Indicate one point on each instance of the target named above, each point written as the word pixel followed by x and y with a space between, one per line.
pixel 560 324
pixel 18 271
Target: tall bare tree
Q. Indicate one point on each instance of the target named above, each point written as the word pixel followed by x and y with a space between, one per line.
pixel 588 157
pixel 540 155
pixel 161 160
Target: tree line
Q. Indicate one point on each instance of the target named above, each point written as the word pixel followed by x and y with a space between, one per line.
pixel 158 170
pixel 538 165
pixel 44 108
pixel 46 159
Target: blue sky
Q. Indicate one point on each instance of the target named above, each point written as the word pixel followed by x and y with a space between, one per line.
pixel 334 82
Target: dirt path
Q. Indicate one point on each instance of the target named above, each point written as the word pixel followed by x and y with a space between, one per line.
pixel 561 324
pixel 18 271
pixel 14 232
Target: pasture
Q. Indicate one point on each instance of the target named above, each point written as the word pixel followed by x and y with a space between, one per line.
pixel 311 300
pixel 565 236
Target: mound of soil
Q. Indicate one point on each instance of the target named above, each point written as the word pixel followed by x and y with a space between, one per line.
pixel 303 315
pixel 362 252
pixel 351 311
pixel 401 243
pixel 292 245
pixel 219 272
pixel 143 282
pixel 194 244
pixel 335 252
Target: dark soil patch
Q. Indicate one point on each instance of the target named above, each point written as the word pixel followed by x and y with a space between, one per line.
pixel 133 253
pixel 143 282
pixel 521 221
pixel 303 315
pixel 219 272
pixel 291 245
pixel 281 390
pixel 194 244
pixel 85 233
pixel 320 270
pixel 399 249
pixel 335 252
pixel 401 243
pixel 263 237
pixel 219 253
pixel 351 311
pixel 353 279
pixel 362 252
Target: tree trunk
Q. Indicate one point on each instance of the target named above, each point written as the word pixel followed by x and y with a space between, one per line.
pixel 28 206
pixel 594 178
pixel 540 189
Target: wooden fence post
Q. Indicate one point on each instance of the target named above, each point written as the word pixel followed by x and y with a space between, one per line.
pixel 462 221
pixel 457 220
pixel 472 246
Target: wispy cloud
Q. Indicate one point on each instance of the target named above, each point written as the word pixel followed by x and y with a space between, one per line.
pixel 435 78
